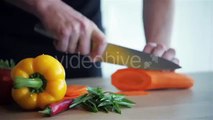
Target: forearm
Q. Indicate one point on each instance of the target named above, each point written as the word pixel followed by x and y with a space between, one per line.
pixel 158 19
pixel 35 7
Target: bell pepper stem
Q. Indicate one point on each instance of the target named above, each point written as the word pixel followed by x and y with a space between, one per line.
pixel 35 83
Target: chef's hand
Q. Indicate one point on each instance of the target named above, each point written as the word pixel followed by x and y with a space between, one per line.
pixel 161 51
pixel 74 33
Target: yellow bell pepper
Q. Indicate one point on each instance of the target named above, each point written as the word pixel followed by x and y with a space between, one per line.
pixel 38 82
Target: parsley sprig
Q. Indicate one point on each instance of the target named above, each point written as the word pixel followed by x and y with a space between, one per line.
pixel 98 100
pixel 6 64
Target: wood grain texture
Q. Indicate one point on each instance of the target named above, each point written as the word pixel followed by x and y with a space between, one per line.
pixel 191 104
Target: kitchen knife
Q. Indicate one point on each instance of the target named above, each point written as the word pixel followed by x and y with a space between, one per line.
pixel 116 54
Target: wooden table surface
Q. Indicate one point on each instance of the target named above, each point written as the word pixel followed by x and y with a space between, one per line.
pixel 191 104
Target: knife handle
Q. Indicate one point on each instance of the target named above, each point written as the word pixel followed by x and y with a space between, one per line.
pixel 40 29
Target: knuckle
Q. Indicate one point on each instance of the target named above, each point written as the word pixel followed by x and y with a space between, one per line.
pixel 75 27
pixel 161 46
pixel 85 24
pixel 75 30
pixel 64 33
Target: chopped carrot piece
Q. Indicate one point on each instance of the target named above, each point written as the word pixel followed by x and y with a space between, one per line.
pixel 133 93
pixel 76 90
pixel 130 79
pixel 70 97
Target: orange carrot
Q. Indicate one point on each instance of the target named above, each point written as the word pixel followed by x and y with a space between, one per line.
pixel 133 93
pixel 130 79
pixel 69 97
pixel 75 91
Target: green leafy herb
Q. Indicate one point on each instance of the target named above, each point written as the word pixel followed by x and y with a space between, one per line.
pixel 7 64
pixel 98 100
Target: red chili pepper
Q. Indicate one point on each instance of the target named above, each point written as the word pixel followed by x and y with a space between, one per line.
pixel 57 107
pixel 6 84
pixel 6 81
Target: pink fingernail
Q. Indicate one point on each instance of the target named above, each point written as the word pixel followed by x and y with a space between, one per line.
pixel 152 44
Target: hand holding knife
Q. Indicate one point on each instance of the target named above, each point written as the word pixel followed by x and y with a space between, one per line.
pixel 124 56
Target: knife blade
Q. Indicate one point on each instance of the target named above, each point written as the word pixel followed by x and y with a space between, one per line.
pixel 116 54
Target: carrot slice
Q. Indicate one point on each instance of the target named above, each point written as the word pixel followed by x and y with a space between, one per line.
pixel 76 90
pixel 130 79
pixel 70 97
pixel 133 93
